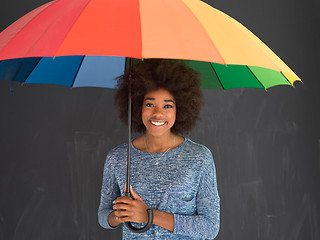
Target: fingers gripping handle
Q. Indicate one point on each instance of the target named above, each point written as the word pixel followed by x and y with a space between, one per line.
pixel 146 227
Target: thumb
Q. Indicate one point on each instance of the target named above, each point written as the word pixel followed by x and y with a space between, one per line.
pixel 134 194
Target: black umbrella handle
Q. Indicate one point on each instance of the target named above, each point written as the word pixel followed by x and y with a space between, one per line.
pixel 127 192
pixel 146 227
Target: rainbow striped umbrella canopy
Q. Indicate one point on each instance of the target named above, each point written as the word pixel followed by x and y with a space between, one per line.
pixel 79 43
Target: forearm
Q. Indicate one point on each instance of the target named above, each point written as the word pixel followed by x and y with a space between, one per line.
pixel 163 219
pixel 198 226
pixel 186 225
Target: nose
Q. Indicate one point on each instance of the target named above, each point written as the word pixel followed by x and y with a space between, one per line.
pixel 157 111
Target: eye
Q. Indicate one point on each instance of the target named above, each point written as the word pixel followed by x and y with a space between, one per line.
pixel 168 106
pixel 149 105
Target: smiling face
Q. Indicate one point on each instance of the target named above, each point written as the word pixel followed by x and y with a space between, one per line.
pixel 158 112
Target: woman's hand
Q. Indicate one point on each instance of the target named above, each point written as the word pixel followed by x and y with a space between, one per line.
pixel 130 210
pixel 135 210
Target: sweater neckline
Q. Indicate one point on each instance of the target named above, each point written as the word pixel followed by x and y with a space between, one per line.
pixel 172 150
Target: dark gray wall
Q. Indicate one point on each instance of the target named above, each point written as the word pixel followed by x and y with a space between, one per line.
pixel 266 144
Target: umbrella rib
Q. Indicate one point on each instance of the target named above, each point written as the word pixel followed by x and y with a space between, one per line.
pixel 32 69
pixel 75 76
pixel 70 27
pixel 255 77
pixel 288 79
pixel 211 41
pixel 217 76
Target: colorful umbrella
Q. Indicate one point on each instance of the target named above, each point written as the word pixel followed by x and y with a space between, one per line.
pixel 231 56
pixel 78 43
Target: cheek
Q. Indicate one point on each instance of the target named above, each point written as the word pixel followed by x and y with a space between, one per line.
pixel 144 114
pixel 173 116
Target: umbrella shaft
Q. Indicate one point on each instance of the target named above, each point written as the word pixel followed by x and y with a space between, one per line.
pixel 129 132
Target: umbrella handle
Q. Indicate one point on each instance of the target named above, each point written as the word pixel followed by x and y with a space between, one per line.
pixel 146 227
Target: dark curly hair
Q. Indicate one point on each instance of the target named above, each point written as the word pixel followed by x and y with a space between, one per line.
pixel 176 77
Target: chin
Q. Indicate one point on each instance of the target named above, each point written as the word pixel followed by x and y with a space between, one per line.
pixel 157 132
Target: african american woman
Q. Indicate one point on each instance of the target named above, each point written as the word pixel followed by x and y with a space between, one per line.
pixel 170 174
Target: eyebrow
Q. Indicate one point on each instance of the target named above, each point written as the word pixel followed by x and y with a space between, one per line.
pixel 169 100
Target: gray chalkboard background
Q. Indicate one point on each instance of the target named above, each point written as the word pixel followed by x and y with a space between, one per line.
pixel 266 144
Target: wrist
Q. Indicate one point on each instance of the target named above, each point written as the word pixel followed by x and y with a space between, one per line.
pixel 163 219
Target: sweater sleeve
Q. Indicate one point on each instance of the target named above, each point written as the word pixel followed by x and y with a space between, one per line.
pixel 109 192
pixel 205 224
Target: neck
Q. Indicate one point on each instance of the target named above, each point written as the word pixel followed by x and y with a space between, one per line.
pixel 159 143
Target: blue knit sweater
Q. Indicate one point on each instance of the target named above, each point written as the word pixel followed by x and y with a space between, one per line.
pixel 183 183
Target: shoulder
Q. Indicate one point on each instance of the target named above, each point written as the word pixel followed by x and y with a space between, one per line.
pixel 204 159
pixel 118 151
pixel 195 155
pixel 197 149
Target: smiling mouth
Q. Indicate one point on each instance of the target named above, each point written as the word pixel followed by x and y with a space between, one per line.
pixel 157 123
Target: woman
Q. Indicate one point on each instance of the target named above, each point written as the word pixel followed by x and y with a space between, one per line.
pixel 170 174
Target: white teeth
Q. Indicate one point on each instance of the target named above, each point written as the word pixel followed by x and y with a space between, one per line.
pixel 157 123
